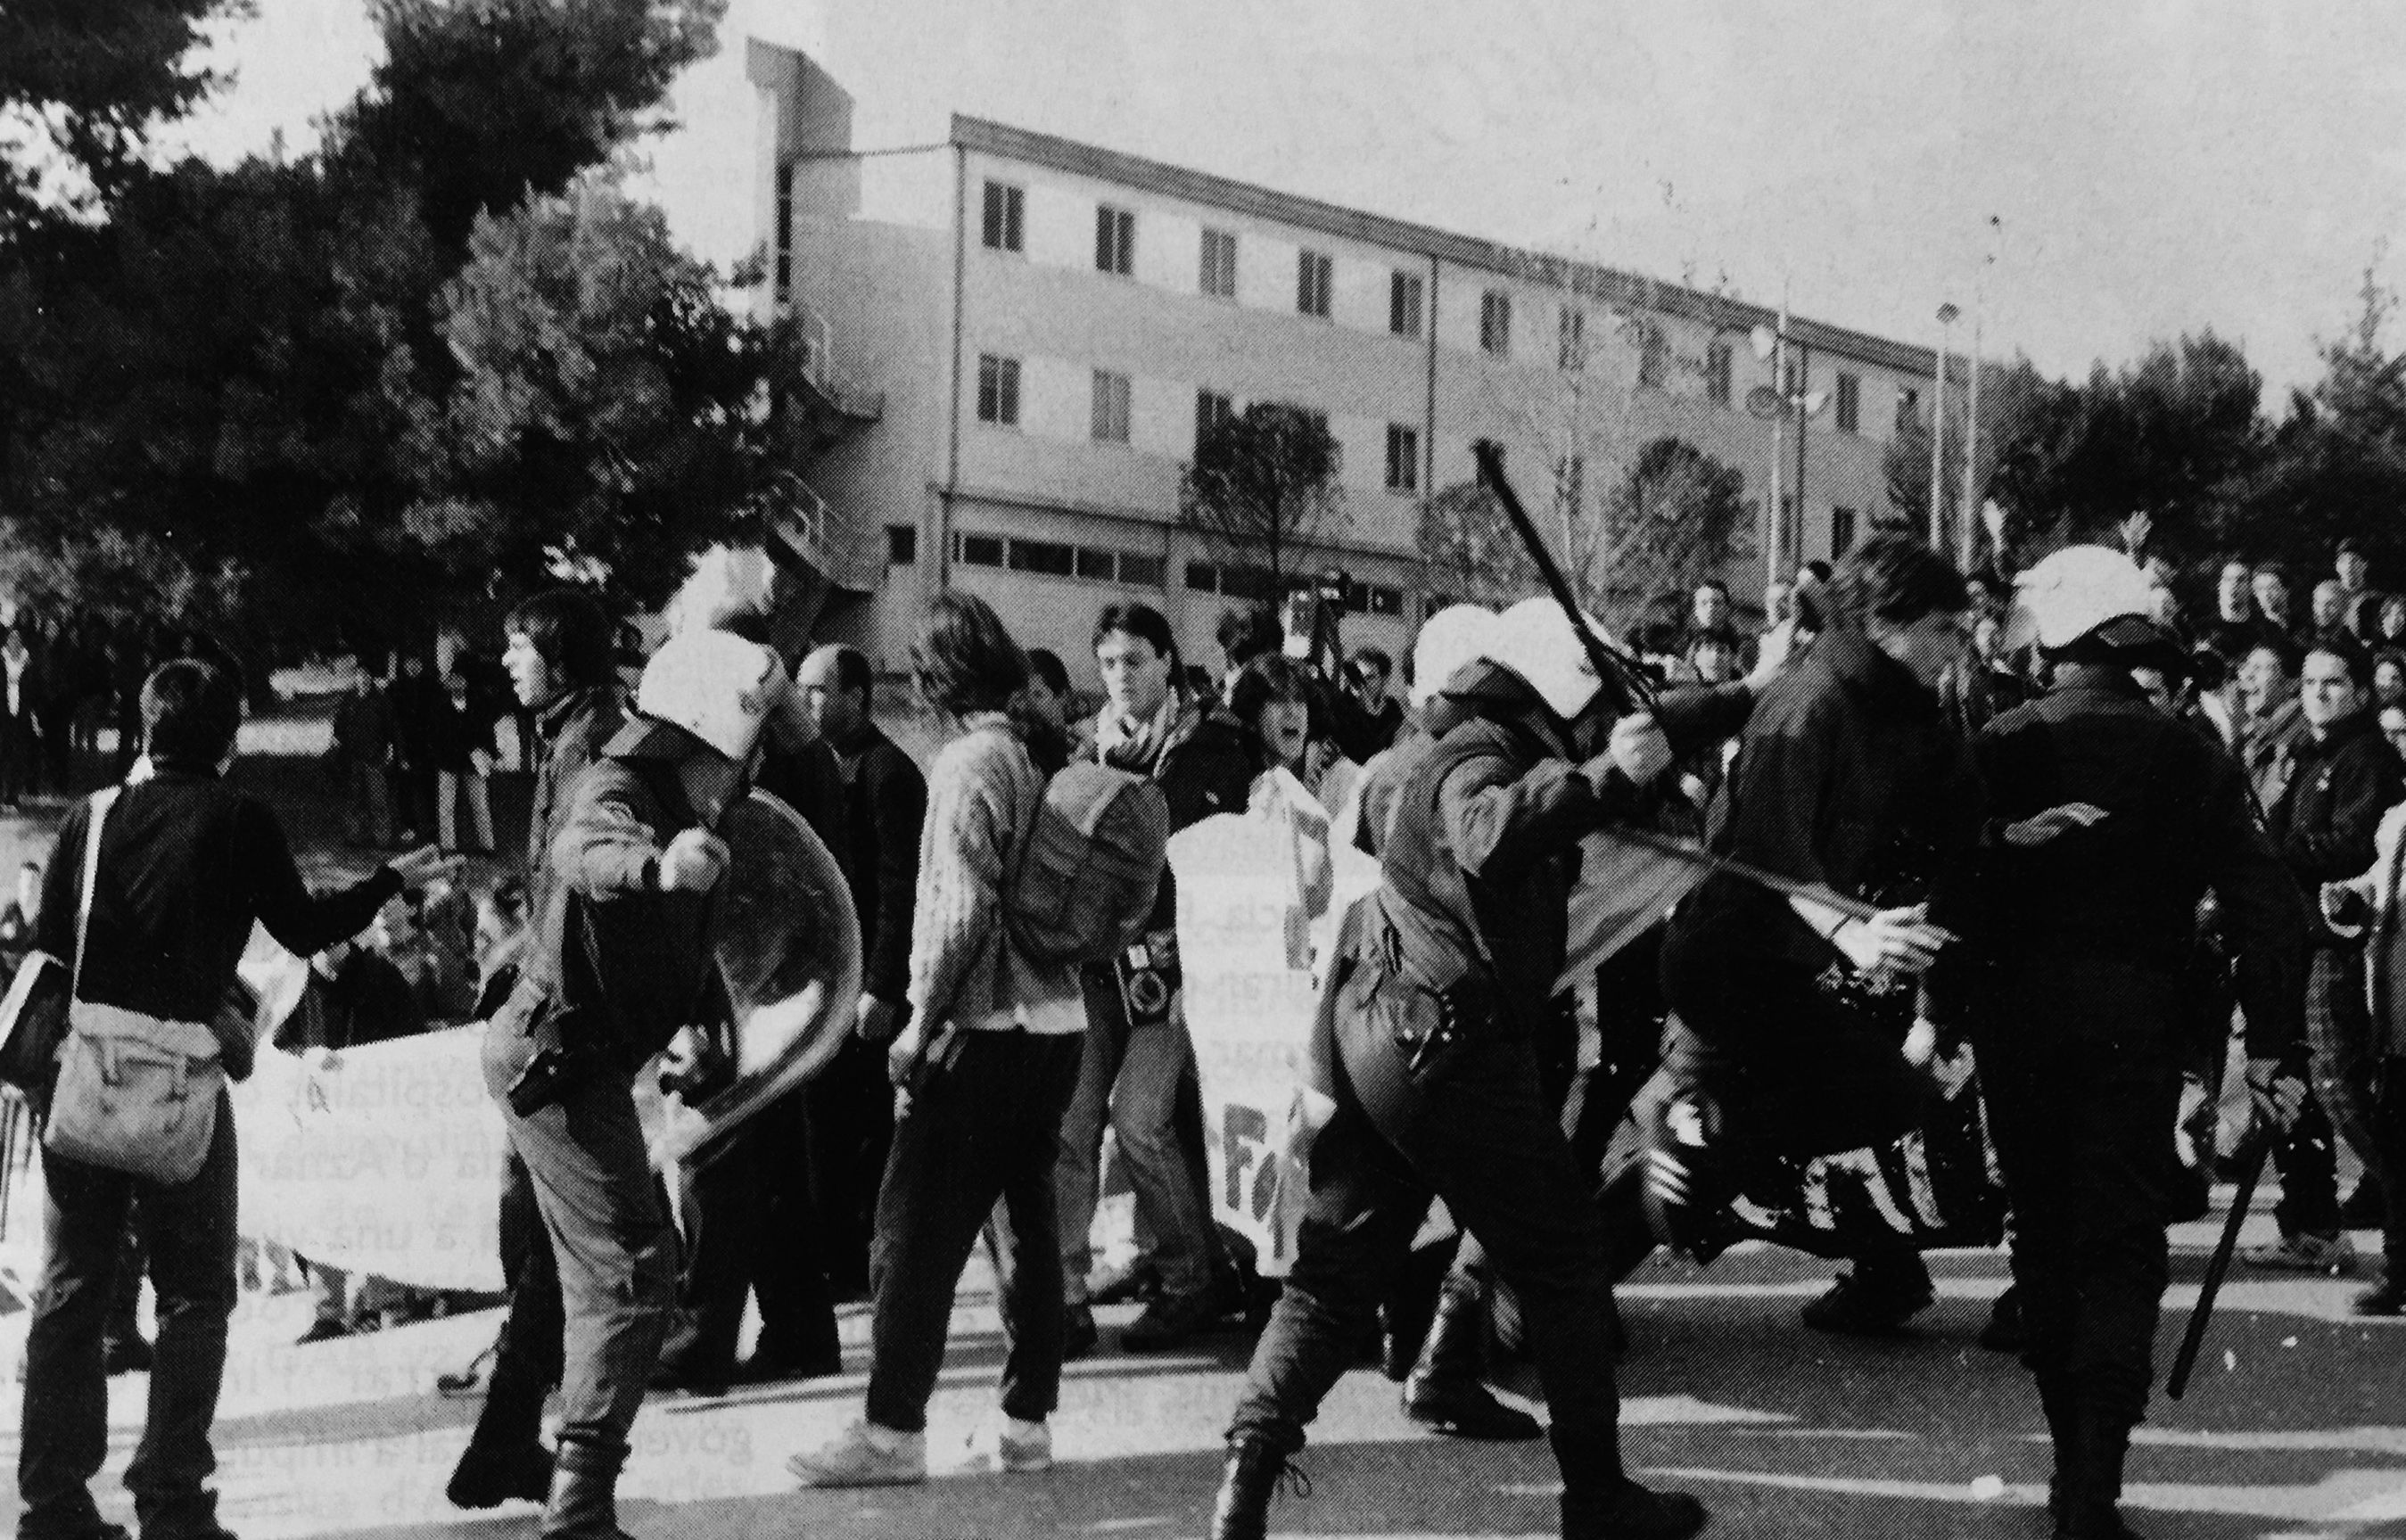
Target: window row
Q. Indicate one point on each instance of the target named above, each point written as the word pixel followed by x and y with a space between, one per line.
pixel 1057 558
pixel 1254 584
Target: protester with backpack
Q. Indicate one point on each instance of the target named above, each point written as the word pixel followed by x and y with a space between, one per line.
pixel 986 1062
pixel 1139 1068
pixel 180 866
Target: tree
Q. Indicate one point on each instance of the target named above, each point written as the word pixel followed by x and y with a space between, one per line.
pixel 607 404
pixel 1263 482
pixel 1472 551
pixel 1674 519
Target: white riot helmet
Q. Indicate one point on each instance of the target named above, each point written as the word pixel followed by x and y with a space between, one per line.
pixel 1449 641
pixel 1535 639
pixel 2079 590
pixel 716 685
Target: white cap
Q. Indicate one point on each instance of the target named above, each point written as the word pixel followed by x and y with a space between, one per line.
pixel 1534 639
pixel 2075 591
pixel 1449 641
pixel 716 686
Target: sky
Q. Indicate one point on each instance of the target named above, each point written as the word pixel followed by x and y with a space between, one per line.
pixel 2085 178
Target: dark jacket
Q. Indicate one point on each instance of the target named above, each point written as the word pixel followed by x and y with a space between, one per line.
pixel 885 803
pixel 1849 774
pixel 1204 765
pixel 568 733
pixel 621 963
pixel 368 1000
pixel 1483 849
pixel 363 728
pixel 2180 820
pixel 2323 823
pixel 186 864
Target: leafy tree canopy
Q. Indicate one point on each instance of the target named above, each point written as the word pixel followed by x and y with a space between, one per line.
pixel 1264 482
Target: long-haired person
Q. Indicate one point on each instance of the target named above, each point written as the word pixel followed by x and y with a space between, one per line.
pixel 988 1059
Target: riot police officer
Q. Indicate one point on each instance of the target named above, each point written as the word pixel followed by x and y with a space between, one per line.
pixel 1431 1075
pixel 2108 821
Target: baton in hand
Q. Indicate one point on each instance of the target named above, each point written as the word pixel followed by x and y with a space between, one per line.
pixel 2252 1156
pixel 1610 671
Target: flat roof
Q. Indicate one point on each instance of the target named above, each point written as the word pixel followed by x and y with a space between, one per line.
pixel 1606 284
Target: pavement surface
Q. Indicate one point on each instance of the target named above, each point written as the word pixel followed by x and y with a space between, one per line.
pixel 2295 1427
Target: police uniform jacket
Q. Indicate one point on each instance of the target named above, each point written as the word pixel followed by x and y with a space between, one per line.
pixel 2125 890
pixel 617 963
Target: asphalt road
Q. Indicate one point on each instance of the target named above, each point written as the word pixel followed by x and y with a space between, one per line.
pixel 2295 1427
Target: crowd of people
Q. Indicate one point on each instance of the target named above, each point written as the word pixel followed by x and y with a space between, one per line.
pixel 2043 822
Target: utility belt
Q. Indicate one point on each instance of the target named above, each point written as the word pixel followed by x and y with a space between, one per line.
pixel 1425 1022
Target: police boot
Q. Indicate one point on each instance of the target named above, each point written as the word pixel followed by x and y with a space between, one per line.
pixel 1629 1512
pixel 1447 1391
pixel 584 1495
pixel 1255 1468
pixel 505 1457
pixel 2091 1490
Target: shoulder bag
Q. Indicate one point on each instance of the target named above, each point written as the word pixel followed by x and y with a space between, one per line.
pixel 135 1094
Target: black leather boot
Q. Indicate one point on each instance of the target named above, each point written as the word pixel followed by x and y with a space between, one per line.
pixel 505 1457
pixel 2091 1490
pixel 1255 1468
pixel 584 1496
pixel 1630 1512
pixel 1446 1390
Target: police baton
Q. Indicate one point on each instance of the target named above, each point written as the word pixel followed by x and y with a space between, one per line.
pixel 1609 667
pixel 2251 1158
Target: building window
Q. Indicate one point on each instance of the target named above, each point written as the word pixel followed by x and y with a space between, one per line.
pixel 1653 355
pixel 1403 305
pixel 1313 272
pixel 1851 404
pixel 785 232
pixel 1100 566
pixel 1115 240
pixel 1795 382
pixel 1047 557
pixel 1143 571
pixel 1006 217
pixel 1203 577
pixel 1403 459
pixel 1495 323
pixel 1717 372
pixel 997 390
pixel 1842 532
pixel 1110 407
pixel 979 550
pixel 1908 408
pixel 1211 409
pixel 1571 342
pixel 1219 276
pixel 1380 599
pixel 902 544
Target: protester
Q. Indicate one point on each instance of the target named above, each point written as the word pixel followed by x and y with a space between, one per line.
pixel 562 669
pixel 2391 632
pixel 988 1059
pixel 502 936
pixel 885 803
pixel 2345 777
pixel 2236 627
pixel 1046 713
pixel 464 714
pixel 1425 1097
pixel 2273 722
pixel 1367 717
pixel 418 732
pixel 21 739
pixel 2352 567
pixel 188 864
pixel 2328 623
pixel 1139 1061
pixel 2367 909
pixel 362 761
pixel 1849 775
pixel 2270 586
pixel 2114 820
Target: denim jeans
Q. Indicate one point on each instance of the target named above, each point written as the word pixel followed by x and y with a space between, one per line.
pixel 611 1239
pixel 190 1233
pixel 1476 1130
pixel 988 1127
pixel 1131 1075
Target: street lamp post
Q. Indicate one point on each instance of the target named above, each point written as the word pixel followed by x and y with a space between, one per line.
pixel 1947 314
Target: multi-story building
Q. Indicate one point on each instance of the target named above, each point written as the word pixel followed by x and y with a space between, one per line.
pixel 1025 334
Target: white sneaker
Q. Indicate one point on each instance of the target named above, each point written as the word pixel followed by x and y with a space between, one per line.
pixel 865 1455
pixel 1013 1447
